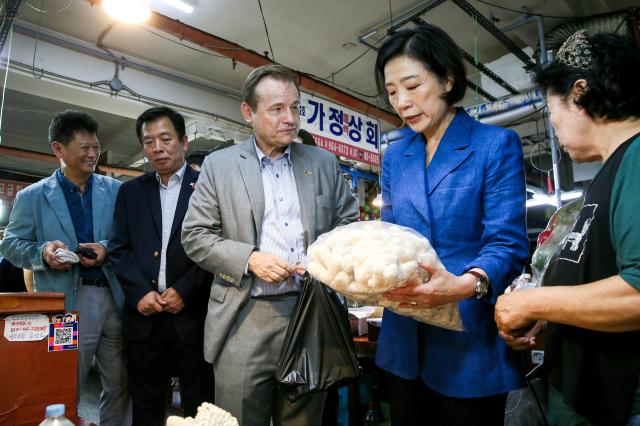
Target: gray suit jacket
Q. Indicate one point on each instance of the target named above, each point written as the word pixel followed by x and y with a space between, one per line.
pixel 223 223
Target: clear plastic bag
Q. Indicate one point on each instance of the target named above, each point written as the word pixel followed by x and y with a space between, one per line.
pixel 364 260
pixel 550 241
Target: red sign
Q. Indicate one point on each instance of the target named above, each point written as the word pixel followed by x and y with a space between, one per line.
pixel 9 188
pixel 346 150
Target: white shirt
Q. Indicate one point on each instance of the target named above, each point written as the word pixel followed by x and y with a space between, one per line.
pixel 168 201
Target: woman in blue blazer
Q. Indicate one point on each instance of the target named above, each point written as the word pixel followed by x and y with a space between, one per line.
pixel 460 184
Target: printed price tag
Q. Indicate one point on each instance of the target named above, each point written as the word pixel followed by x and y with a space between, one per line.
pixel 26 327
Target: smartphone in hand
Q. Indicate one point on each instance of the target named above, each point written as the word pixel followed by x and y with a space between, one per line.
pixel 86 252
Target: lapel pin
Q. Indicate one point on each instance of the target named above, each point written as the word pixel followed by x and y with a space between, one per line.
pixel 193 185
pixel 307 173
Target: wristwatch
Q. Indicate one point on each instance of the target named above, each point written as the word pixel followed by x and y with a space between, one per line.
pixel 482 284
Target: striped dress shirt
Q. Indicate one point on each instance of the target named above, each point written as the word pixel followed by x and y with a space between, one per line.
pixel 282 233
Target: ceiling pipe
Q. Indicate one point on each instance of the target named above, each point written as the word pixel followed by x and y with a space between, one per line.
pixel 506 110
pixel 48 158
pixel 9 11
pixel 413 15
pixel 507 117
pixel 479 90
pixel 248 57
pixel 633 20
pixel 400 20
pixel 473 61
pixel 494 31
pixel 68 43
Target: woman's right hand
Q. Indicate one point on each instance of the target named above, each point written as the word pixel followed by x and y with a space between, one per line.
pixel 442 287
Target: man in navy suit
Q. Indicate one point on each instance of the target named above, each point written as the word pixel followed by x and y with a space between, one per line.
pixel 166 294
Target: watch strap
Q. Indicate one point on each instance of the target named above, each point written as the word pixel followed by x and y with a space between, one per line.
pixel 482 284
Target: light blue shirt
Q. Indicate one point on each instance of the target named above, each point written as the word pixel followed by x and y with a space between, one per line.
pixel 282 233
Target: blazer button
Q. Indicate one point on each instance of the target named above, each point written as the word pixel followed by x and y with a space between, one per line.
pixel 156 254
pixel 154 282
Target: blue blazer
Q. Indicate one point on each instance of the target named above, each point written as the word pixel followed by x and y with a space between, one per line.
pixel 40 214
pixel 135 248
pixel 470 204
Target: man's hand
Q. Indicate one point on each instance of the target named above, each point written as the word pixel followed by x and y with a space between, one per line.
pixel 299 269
pixel 175 302
pixel 525 341
pixel 49 256
pixel 151 303
pixel 269 267
pixel 512 312
pixel 100 251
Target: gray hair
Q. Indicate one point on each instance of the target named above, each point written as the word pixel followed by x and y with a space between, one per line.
pixel 275 71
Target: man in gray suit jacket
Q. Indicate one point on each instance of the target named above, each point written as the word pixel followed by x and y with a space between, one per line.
pixel 71 208
pixel 255 209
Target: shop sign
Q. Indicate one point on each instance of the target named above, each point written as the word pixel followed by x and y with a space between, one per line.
pixel 340 130
pixel 9 188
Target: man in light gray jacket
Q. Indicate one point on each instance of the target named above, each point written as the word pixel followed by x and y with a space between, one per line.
pixel 255 209
pixel 71 208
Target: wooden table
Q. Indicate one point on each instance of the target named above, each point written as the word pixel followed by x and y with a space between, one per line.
pixel 31 377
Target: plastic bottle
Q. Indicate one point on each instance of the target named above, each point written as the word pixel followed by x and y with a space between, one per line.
pixel 371 419
pixel 55 416
pixel 522 282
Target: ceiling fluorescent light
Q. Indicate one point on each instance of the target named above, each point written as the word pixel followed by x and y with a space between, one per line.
pixel 129 11
pixel 180 5
pixel 532 202
pixel 377 201
pixel 543 199
pixel 137 163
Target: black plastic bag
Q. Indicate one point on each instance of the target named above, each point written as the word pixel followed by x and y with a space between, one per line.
pixel 527 406
pixel 318 351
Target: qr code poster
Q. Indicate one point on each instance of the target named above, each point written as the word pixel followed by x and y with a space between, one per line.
pixel 63 333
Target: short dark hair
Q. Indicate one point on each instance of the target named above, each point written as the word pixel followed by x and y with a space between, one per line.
pixel 430 46
pixel 152 114
pixel 275 71
pixel 65 124
pixel 196 158
pixel 612 78
pixel 306 137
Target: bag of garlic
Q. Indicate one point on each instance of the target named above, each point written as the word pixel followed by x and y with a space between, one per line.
pixel 208 415
pixel 364 260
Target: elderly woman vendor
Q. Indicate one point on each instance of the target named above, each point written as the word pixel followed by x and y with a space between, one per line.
pixel 591 294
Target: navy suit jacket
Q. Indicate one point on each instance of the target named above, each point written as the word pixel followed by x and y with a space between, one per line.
pixel 135 252
pixel 470 204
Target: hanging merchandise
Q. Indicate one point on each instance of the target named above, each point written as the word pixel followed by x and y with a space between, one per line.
pixel 318 352
pixel 550 242
pixel 552 239
pixel 368 212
